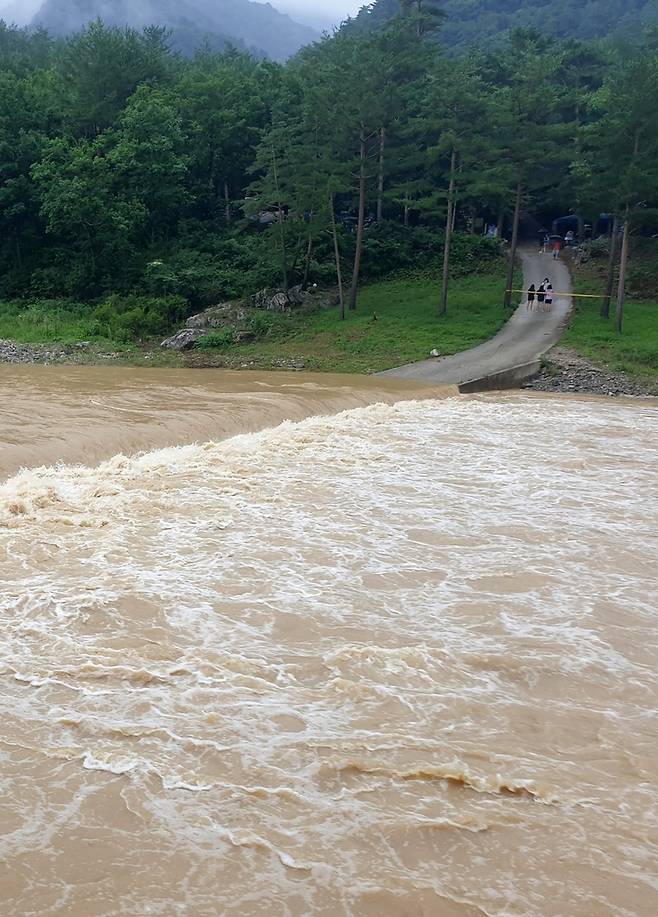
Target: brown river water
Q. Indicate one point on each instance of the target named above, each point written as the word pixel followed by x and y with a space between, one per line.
pixel 341 647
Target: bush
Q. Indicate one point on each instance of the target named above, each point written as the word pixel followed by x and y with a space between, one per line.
pixel 217 340
pixel 127 317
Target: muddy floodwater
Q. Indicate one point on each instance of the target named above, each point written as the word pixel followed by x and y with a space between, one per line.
pixel 396 660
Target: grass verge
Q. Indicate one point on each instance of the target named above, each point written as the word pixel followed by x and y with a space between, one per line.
pixel 635 351
pixel 396 322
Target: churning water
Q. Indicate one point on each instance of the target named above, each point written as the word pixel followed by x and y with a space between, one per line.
pixel 395 661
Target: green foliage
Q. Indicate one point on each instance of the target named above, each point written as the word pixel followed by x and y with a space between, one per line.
pixel 391 248
pixel 217 340
pixel 406 327
pixel 481 22
pixel 155 185
pixel 48 320
pixel 635 352
pixel 127 317
pixel 261 325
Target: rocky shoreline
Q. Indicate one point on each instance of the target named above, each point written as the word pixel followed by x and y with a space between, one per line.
pixel 46 354
pixel 567 372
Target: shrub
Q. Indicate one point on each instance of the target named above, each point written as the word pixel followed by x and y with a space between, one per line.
pixel 217 340
pixel 261 324
pixel 128 317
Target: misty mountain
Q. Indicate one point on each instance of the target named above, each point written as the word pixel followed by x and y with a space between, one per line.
pixel 18 12
pixel 257 26
pixel 479 22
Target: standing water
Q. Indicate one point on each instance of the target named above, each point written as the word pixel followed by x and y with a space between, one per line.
pixel 399 660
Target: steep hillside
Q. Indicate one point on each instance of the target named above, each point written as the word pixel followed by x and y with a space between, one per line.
pixel 470 22
pixel 257 26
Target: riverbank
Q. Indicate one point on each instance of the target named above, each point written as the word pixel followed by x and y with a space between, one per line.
pixel 396 321
pixel 566 371
pixel 630 359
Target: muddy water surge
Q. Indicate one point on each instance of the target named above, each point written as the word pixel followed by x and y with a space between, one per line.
pixel 84 414
pixel 399 660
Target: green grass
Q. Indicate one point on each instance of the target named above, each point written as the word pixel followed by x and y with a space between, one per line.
pixel 396 322
pixel 49 322
pixel 66 324
pixel 635 351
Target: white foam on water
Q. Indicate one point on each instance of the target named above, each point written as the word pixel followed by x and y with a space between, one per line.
pixel 399 657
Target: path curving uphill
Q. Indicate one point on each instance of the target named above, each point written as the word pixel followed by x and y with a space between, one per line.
pixel 515 353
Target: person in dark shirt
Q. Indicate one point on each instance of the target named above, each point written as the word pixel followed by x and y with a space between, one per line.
pixel 541 294
pixel 532 292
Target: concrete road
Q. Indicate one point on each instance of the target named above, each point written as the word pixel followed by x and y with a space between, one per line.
pixel 522 342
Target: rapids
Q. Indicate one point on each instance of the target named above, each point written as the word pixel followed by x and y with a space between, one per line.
pixel 398 660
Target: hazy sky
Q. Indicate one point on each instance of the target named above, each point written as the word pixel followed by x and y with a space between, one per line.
pixel 317 12
pixel 329 11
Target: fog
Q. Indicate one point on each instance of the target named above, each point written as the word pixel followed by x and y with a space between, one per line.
pixel 321 13
pixel 318 13
pixel 19 11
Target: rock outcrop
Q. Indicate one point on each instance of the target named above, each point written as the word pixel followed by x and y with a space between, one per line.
pixel 281 301
pixel 218 317
pixel 185 339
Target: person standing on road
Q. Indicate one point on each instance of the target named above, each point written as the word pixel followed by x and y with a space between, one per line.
pixel 549 297
pixel 557 248
pixel 541 295
pixel 532 292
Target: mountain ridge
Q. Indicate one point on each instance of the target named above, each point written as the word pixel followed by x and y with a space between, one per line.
pixel 258 27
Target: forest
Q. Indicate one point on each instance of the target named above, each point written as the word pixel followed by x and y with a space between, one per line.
pixel 146 185
pixel 481 22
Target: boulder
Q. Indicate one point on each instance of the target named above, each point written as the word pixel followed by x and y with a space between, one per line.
pixel 272 302
pixel 260 300
pixel 297 296
pixel 278 303
pixel 184 340
pixel 214 317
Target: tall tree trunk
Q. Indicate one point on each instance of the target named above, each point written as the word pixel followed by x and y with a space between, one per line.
pixel 307 263
pixel 282 231
pixel 339 272
pixel 362 218
pixel 450 225
pixel 515 241
pixel 501 223
pixel 406 214
pixel 623 262
pixel 380 178
pixel 227 204
pixel 610 276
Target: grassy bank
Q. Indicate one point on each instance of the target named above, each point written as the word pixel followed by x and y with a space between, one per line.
pixel 396 322
pixel 635 351
pixel 60 326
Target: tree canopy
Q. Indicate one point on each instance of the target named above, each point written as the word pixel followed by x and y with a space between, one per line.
pixel 126 168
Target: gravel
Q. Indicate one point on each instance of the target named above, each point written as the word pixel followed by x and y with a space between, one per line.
pixel 568 372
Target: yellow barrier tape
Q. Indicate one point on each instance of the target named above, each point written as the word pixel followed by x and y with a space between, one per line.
pixel 575 295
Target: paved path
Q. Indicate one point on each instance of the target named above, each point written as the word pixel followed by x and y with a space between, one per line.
pixel 523 340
